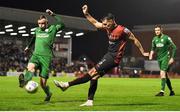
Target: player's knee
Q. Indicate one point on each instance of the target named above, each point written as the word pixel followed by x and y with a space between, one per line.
pixel 163 74
pixel 31 67
pixel 92 72
pixel 96 77
pixel 43 83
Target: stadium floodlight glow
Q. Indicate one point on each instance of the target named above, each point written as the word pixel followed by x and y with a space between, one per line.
pixel 9 30
pixel 2 32
pixel 67 36
pixel 21 27
pixel 25 35
pixel 13 33
pixel 32 33
pixel 69 33
pixel 33 29
pixel 79 34
pixel 22 31
pixel 58 35
pixel 59 31
pixel 8 26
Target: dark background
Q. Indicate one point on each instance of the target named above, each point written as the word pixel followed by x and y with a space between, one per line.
pixel 127 13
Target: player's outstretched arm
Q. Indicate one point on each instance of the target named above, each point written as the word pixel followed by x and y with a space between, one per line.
pixel 60 25
pixel 90 18
pixel 137 43
pixel 51 13
pixel 30 44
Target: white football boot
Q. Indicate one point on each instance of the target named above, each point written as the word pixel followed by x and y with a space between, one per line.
pixel 87 103
pixel 62 85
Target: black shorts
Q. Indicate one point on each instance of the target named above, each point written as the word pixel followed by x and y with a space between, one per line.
pixel 106 64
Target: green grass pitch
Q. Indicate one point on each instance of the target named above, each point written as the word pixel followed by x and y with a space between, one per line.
pixel 112 94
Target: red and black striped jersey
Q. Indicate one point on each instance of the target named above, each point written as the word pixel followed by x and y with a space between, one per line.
pixel 117 41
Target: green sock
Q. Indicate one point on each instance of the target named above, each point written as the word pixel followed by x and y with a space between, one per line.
pixel 46 90
pixel 163 83
pixel 28 76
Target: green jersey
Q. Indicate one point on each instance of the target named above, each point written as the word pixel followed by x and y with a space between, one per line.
pixel 44 39
pixel 162 46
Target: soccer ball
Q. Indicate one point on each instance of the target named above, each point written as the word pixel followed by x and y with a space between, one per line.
pixel 31 87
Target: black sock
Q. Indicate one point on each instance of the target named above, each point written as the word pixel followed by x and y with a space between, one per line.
pixel 168 82
pixel 46 90
pixel 92 89
pixel 80 80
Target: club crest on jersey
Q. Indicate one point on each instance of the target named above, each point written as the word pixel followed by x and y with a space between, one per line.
pixel 162 40
pixel 160 45
pixel 46 30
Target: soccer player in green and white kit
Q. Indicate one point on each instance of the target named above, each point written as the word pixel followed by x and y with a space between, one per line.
pixel 165 50
pixel 42 55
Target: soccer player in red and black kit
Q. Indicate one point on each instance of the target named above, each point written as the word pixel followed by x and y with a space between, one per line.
pixel 118 36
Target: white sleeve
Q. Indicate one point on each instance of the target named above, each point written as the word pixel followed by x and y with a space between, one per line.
pixel 126 30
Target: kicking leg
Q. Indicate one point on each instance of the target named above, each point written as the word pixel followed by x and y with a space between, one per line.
pixel 23 79
pixel 64 85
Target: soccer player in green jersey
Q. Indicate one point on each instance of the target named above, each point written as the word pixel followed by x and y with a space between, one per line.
pixel 165 50
pixel 42 55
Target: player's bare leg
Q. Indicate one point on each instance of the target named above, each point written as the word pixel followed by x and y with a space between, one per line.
pixel 65 85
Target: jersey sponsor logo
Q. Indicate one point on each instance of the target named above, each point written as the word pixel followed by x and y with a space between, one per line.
pixel 162 40
pixel 101 62
pixel 159 45
pixel 42 35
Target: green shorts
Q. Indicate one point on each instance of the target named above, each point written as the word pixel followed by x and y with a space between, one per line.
pixel 42 63
pixel 163 64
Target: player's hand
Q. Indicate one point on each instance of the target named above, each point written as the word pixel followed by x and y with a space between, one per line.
pixel 151 55
pixel 26 50
pixel 49 12
pixel 146 54
pixel 85 9
pixel 171 61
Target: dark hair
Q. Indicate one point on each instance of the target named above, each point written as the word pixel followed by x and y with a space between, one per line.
pixel 42 17
pixel 158 26
pixel 109 16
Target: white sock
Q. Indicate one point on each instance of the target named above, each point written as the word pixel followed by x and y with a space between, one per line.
pixel 91 101
pixel 66 84
pixel 162 91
